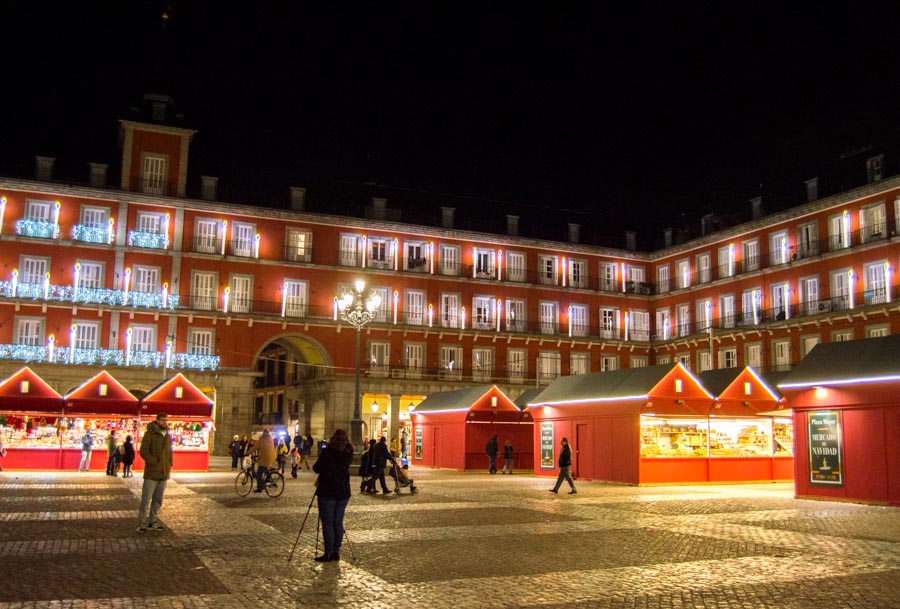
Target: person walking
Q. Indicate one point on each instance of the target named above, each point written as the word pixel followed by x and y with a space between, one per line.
pixel 507 457
pixel 491 448
pixel 87 445
pixel 245 444
pixel 265 448
pixel 281 454
pixel 333 490
pixel 565 468
pixel 234 448
pixel 156 451
pixel 111 445
pixel 404 444
pixel 127 457
pixel 378 461
pixel 303 451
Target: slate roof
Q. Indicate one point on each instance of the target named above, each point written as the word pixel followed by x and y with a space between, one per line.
pixel 528 396
pixel 842 362
pixel 611 384
pixel 458 399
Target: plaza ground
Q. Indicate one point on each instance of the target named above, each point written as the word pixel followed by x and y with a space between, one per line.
pixel 467 540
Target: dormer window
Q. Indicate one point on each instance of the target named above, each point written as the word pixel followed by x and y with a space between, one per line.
pixel 153 174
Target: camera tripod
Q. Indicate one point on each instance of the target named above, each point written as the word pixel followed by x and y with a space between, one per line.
pixel 318 522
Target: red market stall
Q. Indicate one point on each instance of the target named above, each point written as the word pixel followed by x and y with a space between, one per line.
pixel 451 429
pixel 31 422
pixel 190 421
pixel 847 421
pixel 746 442
pixel 103 405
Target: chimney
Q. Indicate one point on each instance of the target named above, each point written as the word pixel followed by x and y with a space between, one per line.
pixel 667 235
pixel 208 187
pixel 812 189
pixel 706 224
pixel 512 225
pixel 97 175
pixel 379 205
pixel 298 198
pixel 574 233
pixel 630 240
pixel 756 206
pixel 43 168
pixel 447 216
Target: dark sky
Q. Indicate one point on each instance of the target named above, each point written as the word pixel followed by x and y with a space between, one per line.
pixel 631 117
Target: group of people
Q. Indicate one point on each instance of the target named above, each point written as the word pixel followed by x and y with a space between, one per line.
pixel 298 455
pixel 565 461
pixel 493 450
pixel 117 454
pixel 372 465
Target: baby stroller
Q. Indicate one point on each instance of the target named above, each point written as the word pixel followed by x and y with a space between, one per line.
pixel 401 479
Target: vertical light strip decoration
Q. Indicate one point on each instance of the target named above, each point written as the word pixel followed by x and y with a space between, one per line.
pixel 430 315
pixel 76 272
pixel 128 334
pixel 283 298
pixel 708 308
pixel 127 282
pixel 46 285
pixel 754 297
pixel 845 224
pixel 784 251
pixel 474 262
pixel 627 326
pixel 56 207
pixel 666 326
pixel 624 287
pixel 887 282
pixel 226 293
pixel 852 277
pixel 431 257
pixel 564 274
pixel 569 319
pixel 14 280
pixel 731 259
pixel 364 248
pixel 462 315
pixel 164 295
pixel 395 245
pixel 499 312
pixel 256 246
pixel 168 354
pixel 110 231
pixel 2 212
pixel 787 300
pixel 166 235
pixel 396 301
pixel 224 235
pixel 335 306
pixel 499 266
pixel 73 335
pixel 51 346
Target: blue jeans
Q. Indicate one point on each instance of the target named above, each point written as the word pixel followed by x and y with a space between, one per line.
pixel 331 511
pixel 152 498
pixel 492 468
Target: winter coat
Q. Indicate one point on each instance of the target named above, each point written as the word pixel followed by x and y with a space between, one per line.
pixel 156 451
pixel 508 451
pixel 128 457
pixel 381 455
pixel 333 467
pixel 491 447
pixel 235 448
pixel 565 456
pixel 265 448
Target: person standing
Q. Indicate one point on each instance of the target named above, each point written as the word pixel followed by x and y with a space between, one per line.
pixel 378 460
pixel 127 457
pixel 333 490
pixel 491 448
pixel 156 451
pixel 281 453
pixel 234 448
pixel 265 448
pixel 245 444
pixel 87 445
pixel 303 451
pixel 508 457
pixel 404 444
pixel 565 468
pixel 111 444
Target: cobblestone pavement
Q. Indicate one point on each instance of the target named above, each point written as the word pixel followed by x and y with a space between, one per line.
pixel 467 540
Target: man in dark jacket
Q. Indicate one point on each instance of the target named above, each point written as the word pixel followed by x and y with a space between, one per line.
pixel 378 461
pixel 491 449
pixel 565 468
pixel 156 451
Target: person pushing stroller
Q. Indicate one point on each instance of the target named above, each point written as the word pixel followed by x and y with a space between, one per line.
pixel 378 460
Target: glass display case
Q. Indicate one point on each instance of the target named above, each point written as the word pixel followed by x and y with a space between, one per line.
pixel 784 437
pixel 187 435
pixel 30 432
pixel 674 437
pixel 740 437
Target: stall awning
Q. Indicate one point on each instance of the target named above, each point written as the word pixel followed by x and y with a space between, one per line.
pixel 26 393
pixel 178 398
pixel 102 395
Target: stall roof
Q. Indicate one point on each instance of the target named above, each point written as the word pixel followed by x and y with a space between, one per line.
pixel 101 395
pixel 717 381
pixel 844 363
pixel 528 396
pixel 461 400
pixel 25 392
pixel 177 397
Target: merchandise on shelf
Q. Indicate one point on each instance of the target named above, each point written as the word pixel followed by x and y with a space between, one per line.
pixel 187 435
pixel 673 437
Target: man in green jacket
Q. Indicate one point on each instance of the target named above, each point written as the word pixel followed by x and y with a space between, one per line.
pixel 156 451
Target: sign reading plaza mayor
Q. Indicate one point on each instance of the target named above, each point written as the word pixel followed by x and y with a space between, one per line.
pixel 826 465
pixel 418 442
pixel 547 445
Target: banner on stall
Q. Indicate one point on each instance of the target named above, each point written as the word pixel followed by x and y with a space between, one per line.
pixel 826 462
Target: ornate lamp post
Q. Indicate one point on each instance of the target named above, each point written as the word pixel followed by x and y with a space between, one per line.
pixel 358 312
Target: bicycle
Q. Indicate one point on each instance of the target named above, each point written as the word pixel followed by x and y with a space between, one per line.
pixel 246 480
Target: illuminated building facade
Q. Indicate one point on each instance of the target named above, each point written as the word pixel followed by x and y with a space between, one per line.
pixel 243 300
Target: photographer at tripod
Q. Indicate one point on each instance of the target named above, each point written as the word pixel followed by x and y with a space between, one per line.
pixel 333 491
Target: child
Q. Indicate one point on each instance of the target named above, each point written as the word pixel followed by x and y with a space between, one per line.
pixel 127 457
pixel 295 461
pixel 507 457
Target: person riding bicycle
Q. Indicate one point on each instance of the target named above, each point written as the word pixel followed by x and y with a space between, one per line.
pixel 266 456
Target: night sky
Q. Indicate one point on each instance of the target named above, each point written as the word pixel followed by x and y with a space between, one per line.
pixel 632 117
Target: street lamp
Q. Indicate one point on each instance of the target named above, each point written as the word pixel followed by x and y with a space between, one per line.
pixel 358 312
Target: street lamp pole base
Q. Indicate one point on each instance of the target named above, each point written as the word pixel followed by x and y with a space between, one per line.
pixel 356 434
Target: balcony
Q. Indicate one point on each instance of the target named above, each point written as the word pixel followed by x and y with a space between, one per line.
pixel 42 229
pixel 106 357
pixel 154 241
pixel 91 234
pixel 100 296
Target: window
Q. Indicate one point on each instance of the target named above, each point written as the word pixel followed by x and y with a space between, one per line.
pixel 484 263
pixel 807 343
pixel 639 361
pixel 609 323
pixel 608 274
pixel 87 334
pixel 380 253
pixel 704 361
pixel 548 366
pixel 662 279
pixel 151 231
pixel 143 338
pixel 295 298
pixel 414 307
pixel 154 175
pixel 414 354
pixel 38 211
pixel 682 274
pixel 449 260
pixel 90 275
pixel 517 365
pixel 809 297
pixel 349 255
pixel 663 360
pixel 241 296
pixel 636 276
pixel 778 248
pixel 33 270
pixel 662 324
pixel 201 341
pixel 807 240
pixel 451 362
pixel 482 364
pixel 243 239
pixel 578 320
pixel 684 359
pixel 578 273
pixel 29 331
pixel 95 217
pixel 703 314
pixel 704 272
pixel 751 255
pixel 728 357
pixel 549 318
pixel 450 310
pixel 877 331
pixel 515 315
pixel 754 355
pixel 203 290
pixel 609 362
pixel 781 350
pixel 640 325
pixel 781 302
pixel 299 245
pixel 751 302
pixel 416 259
pixel 840 289
pixel 683 319
pixel 483 313
pixel 379 358
pixel 145 279
pixel 726 311
pixel 150 222
pixel 579 363
pixel 872 223
pixel 548 270
pixel 515 266
pixel 839 231
pixel 875 168
pixel 726 261
pixel 207 240
pixel 839 336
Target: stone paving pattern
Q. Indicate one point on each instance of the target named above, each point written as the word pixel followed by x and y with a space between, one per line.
pixel 467 540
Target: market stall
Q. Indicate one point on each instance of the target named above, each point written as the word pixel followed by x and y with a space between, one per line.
pixel 846 413
pixel 451 429
pixel 31 422
pixel 190 421
pixel 102 405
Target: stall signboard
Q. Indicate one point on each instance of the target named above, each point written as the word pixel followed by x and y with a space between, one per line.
pixel 418 442
pixel 547 445
pixel 826 466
